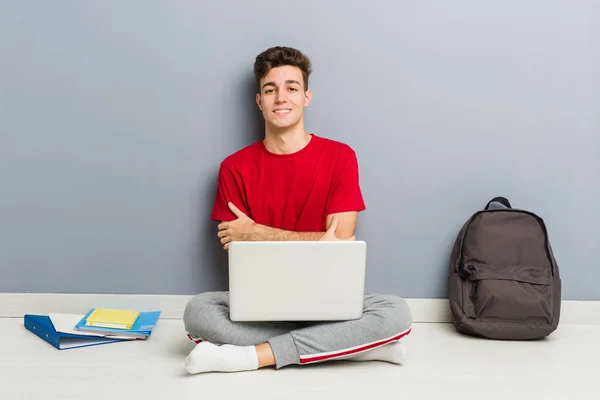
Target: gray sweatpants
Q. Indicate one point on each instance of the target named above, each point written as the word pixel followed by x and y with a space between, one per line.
pixel 385 319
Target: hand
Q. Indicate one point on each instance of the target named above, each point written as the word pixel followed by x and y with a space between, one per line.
pixel 240 229
pixel 330 234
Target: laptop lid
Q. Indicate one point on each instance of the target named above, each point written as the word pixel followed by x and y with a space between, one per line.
pixel 297 281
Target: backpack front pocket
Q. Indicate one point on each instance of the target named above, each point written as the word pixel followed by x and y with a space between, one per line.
pixel 508 293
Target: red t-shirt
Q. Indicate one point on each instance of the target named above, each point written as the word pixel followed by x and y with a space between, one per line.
pixel 293 192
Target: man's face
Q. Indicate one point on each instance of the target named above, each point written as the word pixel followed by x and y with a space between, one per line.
pixel 282 97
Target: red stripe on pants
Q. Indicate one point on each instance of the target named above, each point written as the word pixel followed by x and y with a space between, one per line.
pixel 342 353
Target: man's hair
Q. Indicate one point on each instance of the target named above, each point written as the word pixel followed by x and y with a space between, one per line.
pixel 280 56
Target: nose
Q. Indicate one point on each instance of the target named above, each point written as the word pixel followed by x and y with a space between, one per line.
pixel 280 96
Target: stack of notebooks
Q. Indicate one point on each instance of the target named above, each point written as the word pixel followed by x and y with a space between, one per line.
pixel 98 326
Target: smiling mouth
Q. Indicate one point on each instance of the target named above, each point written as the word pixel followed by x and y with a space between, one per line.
pixel 282 112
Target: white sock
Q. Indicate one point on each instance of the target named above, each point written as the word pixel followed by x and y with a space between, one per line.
pixel 394 352
pixel 208 357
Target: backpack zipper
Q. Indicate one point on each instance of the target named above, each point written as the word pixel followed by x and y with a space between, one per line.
pixel 537 218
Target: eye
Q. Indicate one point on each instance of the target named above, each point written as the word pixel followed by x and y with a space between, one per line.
pixel 268 90
pixel 293 89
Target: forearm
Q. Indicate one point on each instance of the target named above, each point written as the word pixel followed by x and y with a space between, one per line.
pixel 266 233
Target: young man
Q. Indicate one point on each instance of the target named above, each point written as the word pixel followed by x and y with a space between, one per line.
pixel 290 186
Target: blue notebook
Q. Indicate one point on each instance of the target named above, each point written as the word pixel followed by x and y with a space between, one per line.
pixel 141 329
pixel 41 325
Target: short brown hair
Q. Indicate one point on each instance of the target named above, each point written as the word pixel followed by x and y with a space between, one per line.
pixel 280 56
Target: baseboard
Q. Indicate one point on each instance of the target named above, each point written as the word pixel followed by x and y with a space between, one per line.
pixel 15 305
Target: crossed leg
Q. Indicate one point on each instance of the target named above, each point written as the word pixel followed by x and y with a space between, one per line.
pixel 223 345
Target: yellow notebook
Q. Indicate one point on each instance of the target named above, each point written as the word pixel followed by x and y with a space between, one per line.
pixel 112 318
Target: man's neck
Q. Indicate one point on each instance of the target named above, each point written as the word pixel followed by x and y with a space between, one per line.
pixel 286 142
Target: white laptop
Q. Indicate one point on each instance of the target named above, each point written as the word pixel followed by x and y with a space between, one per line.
pixel 297 281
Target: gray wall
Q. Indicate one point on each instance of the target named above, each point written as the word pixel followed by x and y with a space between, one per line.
pixel 114 117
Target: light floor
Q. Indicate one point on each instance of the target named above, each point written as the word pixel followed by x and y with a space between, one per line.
pixel 441 365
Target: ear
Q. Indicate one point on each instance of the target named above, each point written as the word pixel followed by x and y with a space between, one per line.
pixel 258 100
pixel 307 97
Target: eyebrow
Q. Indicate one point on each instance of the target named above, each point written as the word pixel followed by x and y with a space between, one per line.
pixel 290 81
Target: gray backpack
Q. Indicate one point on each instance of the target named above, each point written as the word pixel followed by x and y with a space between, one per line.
pixel 504 281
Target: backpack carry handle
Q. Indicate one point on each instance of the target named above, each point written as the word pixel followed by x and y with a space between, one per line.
pixel 502 200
